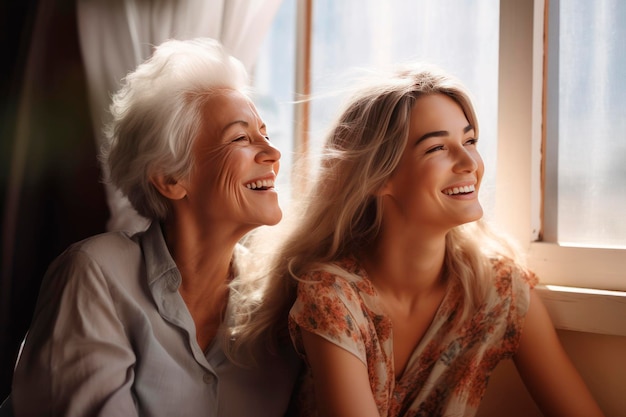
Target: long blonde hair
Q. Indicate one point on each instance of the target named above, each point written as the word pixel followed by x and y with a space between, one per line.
pixel 340 212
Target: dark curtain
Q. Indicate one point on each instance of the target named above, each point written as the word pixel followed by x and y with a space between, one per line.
pixel 50 179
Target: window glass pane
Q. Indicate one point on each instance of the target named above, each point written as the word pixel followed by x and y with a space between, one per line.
pixel 460 36
pixel 592 123
pixel 274 83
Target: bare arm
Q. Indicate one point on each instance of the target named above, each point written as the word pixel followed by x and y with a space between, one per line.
pixel 341 382
pixel 547 371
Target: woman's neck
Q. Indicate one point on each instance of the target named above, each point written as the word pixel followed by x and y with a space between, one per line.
pixel 203 257
pixel 406 264
pixel 201 254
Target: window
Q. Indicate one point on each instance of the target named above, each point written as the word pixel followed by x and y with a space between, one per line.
pixel 574 245
pixel 497 48
pixel 586 105
pixel 584 286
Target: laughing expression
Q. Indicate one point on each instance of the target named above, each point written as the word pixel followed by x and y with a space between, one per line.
pixel 235 165
pixel 435 186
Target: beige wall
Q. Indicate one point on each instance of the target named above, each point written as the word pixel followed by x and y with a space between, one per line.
pixel 600 359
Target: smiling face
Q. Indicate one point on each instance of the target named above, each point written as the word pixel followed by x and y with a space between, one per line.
pixel 235 166
pixel 435 186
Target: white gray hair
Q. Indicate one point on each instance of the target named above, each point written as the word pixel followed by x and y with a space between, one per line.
pixel 156 117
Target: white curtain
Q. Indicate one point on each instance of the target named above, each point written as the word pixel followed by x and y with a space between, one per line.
pixel 117 35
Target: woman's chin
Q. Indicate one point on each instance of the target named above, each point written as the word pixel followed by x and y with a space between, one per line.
pixel 275 219
pixel 268 218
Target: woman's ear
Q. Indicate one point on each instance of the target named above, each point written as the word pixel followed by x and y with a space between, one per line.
pixel 168 187
pixel 386 189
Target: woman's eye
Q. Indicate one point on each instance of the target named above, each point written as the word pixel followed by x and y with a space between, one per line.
pixel 472 141
pixel 241 138
pixel 435 149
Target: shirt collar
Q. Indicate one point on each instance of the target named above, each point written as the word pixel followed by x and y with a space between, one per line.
pixel 158 259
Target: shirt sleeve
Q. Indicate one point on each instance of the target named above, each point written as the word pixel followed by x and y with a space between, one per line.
pixel 513 286
pixel 76 359
pixel 328 306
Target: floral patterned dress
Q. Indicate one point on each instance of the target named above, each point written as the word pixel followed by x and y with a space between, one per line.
pixel 448 372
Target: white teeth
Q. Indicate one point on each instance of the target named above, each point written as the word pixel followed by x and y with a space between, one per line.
pixel 458 190
pixel 260 184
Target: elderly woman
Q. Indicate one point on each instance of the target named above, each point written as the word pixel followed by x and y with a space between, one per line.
pixel 137 324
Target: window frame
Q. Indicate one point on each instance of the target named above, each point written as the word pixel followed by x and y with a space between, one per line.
pixel 583 288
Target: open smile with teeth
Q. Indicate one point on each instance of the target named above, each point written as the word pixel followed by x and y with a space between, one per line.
pixel 459 190
pixel 260 185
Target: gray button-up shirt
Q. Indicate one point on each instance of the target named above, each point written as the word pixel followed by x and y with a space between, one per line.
pixel 111 336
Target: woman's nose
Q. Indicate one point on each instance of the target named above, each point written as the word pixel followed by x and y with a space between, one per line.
pixel 466 160
pixel 269 154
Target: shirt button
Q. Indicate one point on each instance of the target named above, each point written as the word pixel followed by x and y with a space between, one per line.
pixel 207 378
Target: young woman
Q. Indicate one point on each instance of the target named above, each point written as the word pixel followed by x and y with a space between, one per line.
pixel 136 325
pixel 399 298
